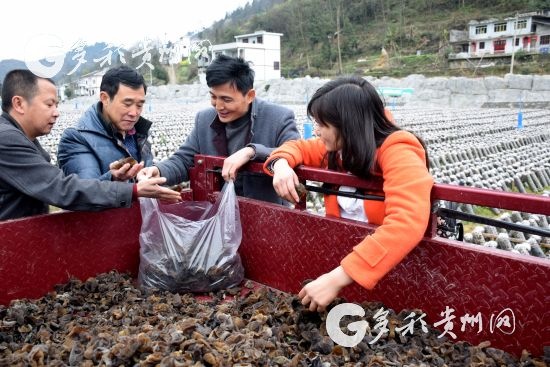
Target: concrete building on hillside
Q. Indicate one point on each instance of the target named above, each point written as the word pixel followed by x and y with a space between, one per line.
pixel 88 85
pixel 262 49
pixel 494 39
pixel 172 53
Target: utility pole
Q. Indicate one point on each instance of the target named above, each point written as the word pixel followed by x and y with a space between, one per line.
pixel 338 37
pixel 514 45
pixel 330 37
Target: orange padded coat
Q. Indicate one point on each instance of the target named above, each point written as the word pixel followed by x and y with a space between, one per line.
pixel 402 216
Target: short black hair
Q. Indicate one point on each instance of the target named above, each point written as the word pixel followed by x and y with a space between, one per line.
pixel 121 75
pixel 225 69
pixel 19 82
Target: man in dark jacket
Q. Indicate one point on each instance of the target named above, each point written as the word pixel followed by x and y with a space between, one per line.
pixel 110 130
pixel 29 183
pixel 238 126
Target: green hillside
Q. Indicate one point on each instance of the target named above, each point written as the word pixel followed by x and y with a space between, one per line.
pixel 329 37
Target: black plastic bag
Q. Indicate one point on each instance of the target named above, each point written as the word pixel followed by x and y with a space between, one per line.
pixel 191 246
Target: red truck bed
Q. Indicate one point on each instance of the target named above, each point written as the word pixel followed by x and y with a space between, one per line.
pixel 281 247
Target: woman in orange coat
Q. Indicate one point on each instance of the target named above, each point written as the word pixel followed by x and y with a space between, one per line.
pixel 354 134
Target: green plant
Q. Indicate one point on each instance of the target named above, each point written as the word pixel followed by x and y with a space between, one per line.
pixel 69 92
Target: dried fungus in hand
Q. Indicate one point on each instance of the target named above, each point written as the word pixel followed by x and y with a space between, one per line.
pixel 121 162
pixel 301 190
pixel 178 188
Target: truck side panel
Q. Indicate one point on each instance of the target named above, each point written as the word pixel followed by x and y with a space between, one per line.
pixel 283 247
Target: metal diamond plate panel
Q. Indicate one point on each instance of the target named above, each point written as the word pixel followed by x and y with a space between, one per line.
pixel 282 247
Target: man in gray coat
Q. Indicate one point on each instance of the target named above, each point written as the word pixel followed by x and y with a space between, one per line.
pixel 29 183
pixel 238 126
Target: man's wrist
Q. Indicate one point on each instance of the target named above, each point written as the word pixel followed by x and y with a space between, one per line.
pixel 253 155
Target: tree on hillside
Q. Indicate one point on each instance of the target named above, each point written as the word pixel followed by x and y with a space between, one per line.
pixel 69 92
pixel 300 24
pixel 317 36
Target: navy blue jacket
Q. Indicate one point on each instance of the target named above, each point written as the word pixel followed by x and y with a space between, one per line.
pixel 88 148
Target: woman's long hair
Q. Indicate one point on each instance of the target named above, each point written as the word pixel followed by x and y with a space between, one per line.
pixel 354 108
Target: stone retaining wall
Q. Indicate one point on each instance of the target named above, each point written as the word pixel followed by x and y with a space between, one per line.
pixel 511 90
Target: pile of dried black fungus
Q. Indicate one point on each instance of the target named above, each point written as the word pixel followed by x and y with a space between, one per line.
pixel 106 321
pixel 180 277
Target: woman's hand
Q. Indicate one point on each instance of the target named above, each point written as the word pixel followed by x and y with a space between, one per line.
pixel 285 181
pixel 323 290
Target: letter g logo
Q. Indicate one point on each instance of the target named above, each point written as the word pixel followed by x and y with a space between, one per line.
pixel 333 324
pixel 49 49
